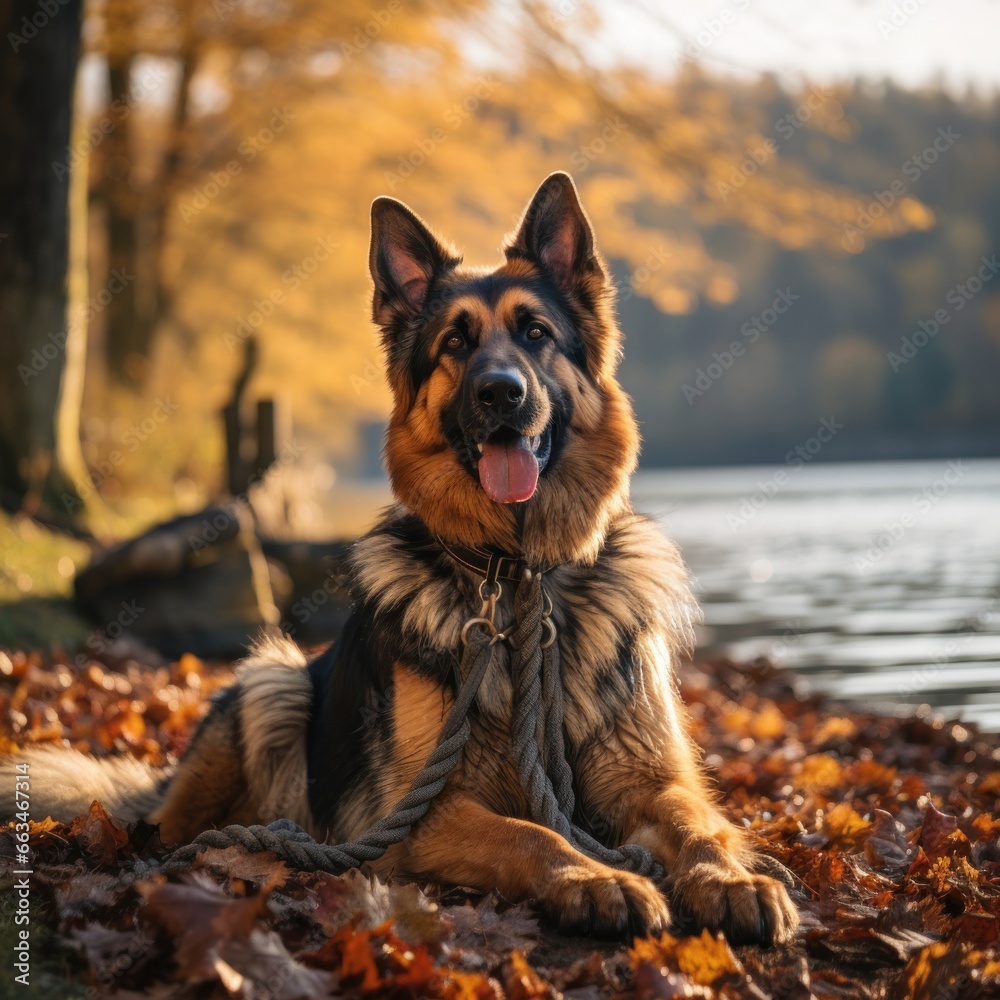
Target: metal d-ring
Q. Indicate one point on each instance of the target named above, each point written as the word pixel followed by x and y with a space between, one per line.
pixel 547 610
pixel 553 634
pixel 478 620
pixel 490 593
pixel 548 622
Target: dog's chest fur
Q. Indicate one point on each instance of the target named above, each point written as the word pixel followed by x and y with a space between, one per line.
pixel 388 685
pixel 619 621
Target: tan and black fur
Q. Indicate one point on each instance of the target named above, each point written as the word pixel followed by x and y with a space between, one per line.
pixel 335 743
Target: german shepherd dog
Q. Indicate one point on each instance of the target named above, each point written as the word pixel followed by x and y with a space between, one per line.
pixel 509 435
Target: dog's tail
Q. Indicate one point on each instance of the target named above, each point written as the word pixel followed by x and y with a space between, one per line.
pixel 52 781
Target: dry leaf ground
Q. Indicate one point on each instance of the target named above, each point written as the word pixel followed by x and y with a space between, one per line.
pixel 889 825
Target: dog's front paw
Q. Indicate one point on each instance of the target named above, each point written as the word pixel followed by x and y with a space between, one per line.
pixel 748 908
pixel 606 903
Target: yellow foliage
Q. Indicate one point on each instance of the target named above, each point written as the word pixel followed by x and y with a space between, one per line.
pixel 820 772
pixel 524 983
pixel 836 728
pixel 705 959
pixel 843 825
pixel 764 723
pixel 316 109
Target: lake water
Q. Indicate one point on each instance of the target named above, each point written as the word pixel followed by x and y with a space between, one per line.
pixel 879 582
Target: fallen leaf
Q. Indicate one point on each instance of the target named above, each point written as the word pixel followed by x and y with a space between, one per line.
pixel 819 772
pixel 343 899
pixel 260 966
pixel 886 846
pixel 933 972
pixel 80 896
pixel 843 825
pixel 867 947
pixel 483 936
pixel 100 836
pixel 523 983
pixel 706 960
pixel 657 981
pixel 940 835
pixel 263 869
pixel 201 917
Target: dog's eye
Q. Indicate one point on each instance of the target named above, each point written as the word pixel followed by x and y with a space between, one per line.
pixel 455 342
pixel 536 331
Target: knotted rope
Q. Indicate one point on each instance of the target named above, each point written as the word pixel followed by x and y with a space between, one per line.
pixel 538 736
pixel 537 739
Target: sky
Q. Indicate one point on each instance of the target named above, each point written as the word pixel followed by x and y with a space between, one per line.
pixel 914 42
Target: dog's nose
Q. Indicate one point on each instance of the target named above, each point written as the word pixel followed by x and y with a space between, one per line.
pixel 501 392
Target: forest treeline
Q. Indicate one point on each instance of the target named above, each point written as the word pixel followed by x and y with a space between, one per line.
pixel 266 226
pixel 783 255
pixel 897 339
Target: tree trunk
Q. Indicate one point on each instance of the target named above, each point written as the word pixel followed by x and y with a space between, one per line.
pixel 130 313
pixel 39 351
pixel 165 184
pixel 136 210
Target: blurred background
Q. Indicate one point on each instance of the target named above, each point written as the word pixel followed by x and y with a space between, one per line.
pixel 799 205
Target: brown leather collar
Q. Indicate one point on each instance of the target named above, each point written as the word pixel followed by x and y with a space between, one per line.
pixel 491 565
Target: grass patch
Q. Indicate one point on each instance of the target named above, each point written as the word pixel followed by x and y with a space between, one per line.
pixel 37 567
pixel 53 965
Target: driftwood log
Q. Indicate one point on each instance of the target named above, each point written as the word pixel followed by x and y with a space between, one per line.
pixel 206 584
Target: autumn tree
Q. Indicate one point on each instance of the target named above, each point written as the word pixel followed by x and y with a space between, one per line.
pixel 255 53
pixel 40 351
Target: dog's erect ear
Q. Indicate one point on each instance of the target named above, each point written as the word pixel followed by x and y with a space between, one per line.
pixel 404 258
pixel 555 233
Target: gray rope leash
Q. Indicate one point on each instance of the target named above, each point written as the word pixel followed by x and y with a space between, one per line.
pixel 538 708
pixel 537 736
pixel 292 844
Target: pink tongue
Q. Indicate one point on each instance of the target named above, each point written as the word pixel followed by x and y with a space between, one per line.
pixel 508 472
